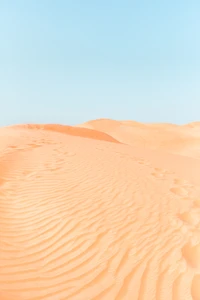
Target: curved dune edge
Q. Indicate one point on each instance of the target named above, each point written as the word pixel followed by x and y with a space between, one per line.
pixel 75 131
pixel 176 139
pixel 101 124
pixel 89 220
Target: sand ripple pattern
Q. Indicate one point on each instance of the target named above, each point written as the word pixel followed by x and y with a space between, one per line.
pixel 82 219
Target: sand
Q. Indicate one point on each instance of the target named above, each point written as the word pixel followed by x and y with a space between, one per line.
pixel 106 210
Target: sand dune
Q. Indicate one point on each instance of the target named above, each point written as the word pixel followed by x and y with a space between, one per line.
pixel 83 216
pixel 182 140
pixel 75 131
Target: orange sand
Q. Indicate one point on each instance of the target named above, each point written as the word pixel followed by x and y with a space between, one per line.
pixel 107 210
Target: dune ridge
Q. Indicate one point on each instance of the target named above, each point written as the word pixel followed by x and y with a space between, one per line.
pixel 75 131
pixel 83 216
pixel 171 138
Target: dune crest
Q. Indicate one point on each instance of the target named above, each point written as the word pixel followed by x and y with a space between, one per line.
pixel 183 140
pixel 84 217
pixel 75 131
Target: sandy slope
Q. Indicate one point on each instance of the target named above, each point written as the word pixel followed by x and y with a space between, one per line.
pixel 84 217
pixel 184 140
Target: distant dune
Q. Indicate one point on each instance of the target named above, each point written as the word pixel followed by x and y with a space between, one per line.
pixel 105 210
pixel 75 131
pixel 183 140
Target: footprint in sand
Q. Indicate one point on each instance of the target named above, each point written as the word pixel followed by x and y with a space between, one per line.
pixel 181 187
pixel 190 217
pixel 34 145
pixel 178 181
pixel 143 162
pixel 179 191
pixel 191 253
pixel 160 173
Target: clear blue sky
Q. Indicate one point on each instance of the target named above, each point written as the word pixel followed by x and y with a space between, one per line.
pixel 68 61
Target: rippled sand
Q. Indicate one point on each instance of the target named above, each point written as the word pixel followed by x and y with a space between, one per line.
pixel 107 210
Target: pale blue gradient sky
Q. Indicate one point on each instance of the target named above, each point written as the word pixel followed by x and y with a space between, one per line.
pixel 71 61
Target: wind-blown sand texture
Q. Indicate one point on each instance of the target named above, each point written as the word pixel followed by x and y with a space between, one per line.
pixel 107 210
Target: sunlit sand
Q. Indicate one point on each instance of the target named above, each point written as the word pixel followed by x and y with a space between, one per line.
pixel 104 210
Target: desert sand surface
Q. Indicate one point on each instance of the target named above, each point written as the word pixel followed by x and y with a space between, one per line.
pixel 172 138
pixel 106 210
